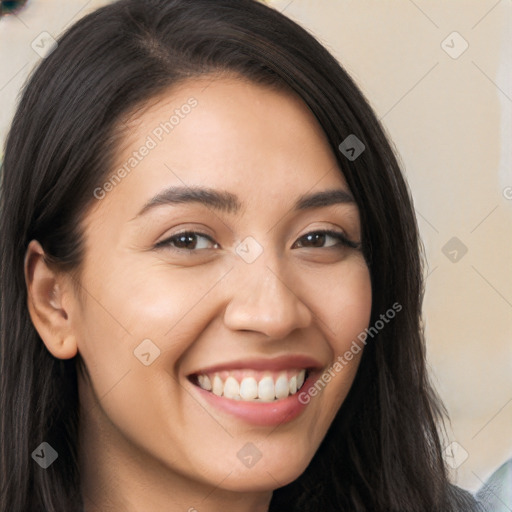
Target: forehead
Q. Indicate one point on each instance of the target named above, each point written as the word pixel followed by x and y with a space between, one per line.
pixel 226 133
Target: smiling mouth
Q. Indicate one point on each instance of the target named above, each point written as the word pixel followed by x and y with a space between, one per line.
pixel 251 385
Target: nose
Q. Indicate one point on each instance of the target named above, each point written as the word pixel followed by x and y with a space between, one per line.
pixel 263 302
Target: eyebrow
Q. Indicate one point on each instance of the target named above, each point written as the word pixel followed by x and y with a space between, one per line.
pixel 226 201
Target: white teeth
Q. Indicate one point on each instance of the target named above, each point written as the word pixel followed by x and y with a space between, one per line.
pixel 204 382
pixel 300 378
pixel 249 389
pixel 218 386
pixel 282 387
pixel 266 389
pixel 231 388
pixel 293 385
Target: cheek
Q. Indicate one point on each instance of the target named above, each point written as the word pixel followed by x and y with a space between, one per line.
pixel 341 299
pixel 128 303
pixel 137 311
pixel 149 300
pixel 342 303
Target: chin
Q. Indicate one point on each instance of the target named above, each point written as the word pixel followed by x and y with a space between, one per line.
pixel 265 476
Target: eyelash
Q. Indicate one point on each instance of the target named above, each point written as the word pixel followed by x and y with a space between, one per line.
pixel 342 239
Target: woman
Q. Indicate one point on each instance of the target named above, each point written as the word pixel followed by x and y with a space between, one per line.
pixel 211 278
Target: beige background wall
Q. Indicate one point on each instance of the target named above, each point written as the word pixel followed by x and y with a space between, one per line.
pixel 450 117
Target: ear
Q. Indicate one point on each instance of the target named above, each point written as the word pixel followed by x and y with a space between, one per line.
pixel 48 292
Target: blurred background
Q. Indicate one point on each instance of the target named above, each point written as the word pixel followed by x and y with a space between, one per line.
pixel 439 76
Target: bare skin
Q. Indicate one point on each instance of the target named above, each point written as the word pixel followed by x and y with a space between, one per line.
pixel 150 441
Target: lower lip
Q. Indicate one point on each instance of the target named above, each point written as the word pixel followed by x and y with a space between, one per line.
pixel 263 414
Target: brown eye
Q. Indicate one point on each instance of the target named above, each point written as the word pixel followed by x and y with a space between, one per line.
pixel 324 239
pixel 188 241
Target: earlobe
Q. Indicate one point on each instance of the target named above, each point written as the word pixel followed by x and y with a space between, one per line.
pixel 45 300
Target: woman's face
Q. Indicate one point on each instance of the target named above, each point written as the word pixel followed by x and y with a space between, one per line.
pixel 255 294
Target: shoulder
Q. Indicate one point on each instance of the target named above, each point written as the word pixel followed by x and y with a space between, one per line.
pixel 463 501
pixel 496 493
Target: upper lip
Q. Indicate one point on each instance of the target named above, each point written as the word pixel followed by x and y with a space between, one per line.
pixel 285 362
